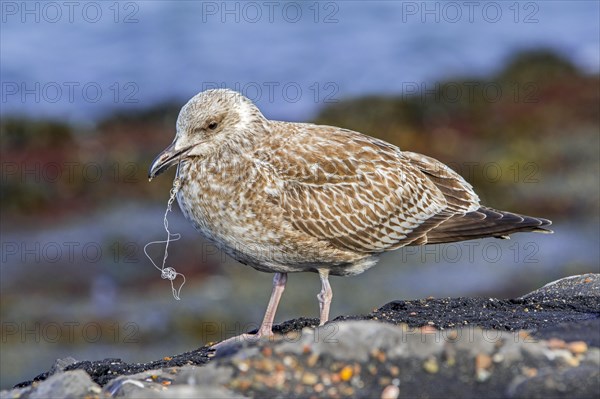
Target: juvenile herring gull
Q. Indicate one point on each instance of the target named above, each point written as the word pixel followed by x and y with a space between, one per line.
pixel 297 197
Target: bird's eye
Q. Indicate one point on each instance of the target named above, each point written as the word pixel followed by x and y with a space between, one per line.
pixel 213 125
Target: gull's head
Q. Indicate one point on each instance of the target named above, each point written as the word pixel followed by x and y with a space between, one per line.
pixel 208 120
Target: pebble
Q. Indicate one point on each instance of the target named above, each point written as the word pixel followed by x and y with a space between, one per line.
pixel 267 351
pixel 372 369
pixel 577 347
pixel 335 378
pixel 431 366
pixel 379 355
pixel 289 361
pixel 309 378
pixel 498 358
pixel 483 361
pixel 482 375
pixel 555 343
pixel 383 381
pixel 312 360
pixel 530 371
pixel 243 366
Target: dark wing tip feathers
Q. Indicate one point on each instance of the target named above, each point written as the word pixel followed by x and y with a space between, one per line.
pixel 515 223
pixel 525 223
pixel 486 222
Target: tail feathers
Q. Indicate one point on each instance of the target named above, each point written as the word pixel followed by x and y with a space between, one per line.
pixel 485 222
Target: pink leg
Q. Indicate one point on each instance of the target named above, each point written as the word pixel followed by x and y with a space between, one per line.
pixel 266 327
pixel 324 296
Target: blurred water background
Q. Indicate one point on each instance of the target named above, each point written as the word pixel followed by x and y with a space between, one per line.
pixel 507 93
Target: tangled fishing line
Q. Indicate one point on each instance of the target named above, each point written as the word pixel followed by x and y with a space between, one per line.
pixel 169 273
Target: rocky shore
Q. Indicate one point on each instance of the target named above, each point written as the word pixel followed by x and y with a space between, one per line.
pixel 544 344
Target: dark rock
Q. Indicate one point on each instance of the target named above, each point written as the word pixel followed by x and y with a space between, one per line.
pixel 543 344
pixel 585 285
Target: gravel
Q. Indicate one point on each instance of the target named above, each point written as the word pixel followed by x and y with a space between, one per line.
pixel 544 344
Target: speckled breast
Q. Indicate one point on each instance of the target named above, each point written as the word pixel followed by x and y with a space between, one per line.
pixel 227 203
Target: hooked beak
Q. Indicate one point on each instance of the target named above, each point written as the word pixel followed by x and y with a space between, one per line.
pixel 165 160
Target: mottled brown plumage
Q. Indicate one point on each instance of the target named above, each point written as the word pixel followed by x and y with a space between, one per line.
pixel 292 197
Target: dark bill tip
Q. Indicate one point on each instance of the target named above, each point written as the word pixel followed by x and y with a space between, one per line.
pixel 165 160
